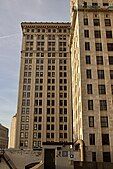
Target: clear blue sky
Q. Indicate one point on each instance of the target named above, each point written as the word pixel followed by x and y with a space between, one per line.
pixel 12 13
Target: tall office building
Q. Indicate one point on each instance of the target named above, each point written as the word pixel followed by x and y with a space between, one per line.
pixel 44 104
pixel 92 76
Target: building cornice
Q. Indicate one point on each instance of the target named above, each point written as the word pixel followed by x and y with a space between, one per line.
pixel 45 24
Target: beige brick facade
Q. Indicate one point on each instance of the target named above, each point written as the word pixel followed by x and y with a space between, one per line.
pixel 92 76
pixel 3 137
pixel 44 103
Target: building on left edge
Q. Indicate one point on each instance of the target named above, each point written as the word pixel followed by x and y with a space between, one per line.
pixel 3 137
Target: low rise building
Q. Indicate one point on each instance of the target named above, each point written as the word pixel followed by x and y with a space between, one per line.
pixel 13 132
pixel 3 137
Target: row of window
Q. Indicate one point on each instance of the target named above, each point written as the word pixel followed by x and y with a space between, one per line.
pixel 49 135
pixel 50 61
pixel 97 34
pixel 50 48
pixel 41 54
pixel 106 156
pixel 98 46
pixel 61 127
pixel 37 119
pixel 25 110
pixel 52 95
pixel 49 30
pixel 61 135
pixel 101 89
pixel 40 68
pixel 96 22
pixel 95 4
pixel 100 74
pixel 99 60
pixel 39 88
pixel 51 38
pixel 50 110
pixel 105 139
pixel 103 120
pixel 52 102
pixel 103 105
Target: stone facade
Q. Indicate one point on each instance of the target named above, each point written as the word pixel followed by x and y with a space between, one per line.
pixel 12 133
pixel 3 137
pixel 44 111
pixel 92 76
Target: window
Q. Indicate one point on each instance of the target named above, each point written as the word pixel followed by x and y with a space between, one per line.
pixel 39 135
pixel 96 22
pixel 94 4
pixel 110 46
pixel 65 135
pixel 22 126
pixel 48 102
pixel 40 110
pixel 100 74
pixel 48 135
pixel 111 74
pixel 90 104
pixel 40 119
pixel 65 127
pixel 48 119
pixel 52 102
pixel 98 46
pixel 52 119
pixel 94 156
pixel 105 4
pixel 108 34
pixel 110 60
pixel 106 157
pixel 85 4
pixel 85 21
pixel 104 121
pixel 86 33
pixel 65 111
pixel 22 135
pixel 34 135
pixel 61 110
pixel 102 89
pixel 23 118
pixel 103 105
pixel 107 22
pixel 105 139
pixel 40 102
pixel 91 121
pixel 61 119
pixel 88 59
pixel 99 60
pixel 35 119
pixel 48 127
pixel 92 139
pixel 61 127
pixel 89 88
pixel 39 127
pixel 61 135
pixel 52 135
pixel 52 111
pixel 97 34
pixel 87 45
pixel 112 89
pixel 88 73
pixel 26 134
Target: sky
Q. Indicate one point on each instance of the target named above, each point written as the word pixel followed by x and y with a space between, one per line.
pixel 12 13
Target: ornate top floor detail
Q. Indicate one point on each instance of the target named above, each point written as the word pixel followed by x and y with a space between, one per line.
pixel 45 24
pixel 92 7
